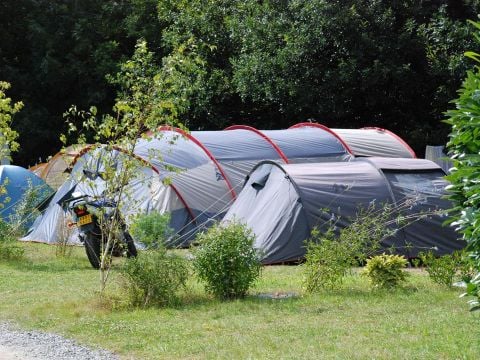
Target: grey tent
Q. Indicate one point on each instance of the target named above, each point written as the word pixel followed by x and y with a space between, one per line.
pixel 282 203
pixel 205 171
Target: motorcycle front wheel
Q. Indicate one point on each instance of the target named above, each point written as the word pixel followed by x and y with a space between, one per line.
pixel 93 249
pixel 131 249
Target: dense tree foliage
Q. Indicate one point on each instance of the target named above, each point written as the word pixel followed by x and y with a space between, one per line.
pixel 347 63
pixel 57 53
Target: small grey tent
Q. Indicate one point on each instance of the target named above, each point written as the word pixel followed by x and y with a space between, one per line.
pixel 282 203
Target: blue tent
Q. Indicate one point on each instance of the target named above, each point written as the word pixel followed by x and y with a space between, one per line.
pixel 15 181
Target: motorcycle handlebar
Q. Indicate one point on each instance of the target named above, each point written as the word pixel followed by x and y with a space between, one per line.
pixel 96 201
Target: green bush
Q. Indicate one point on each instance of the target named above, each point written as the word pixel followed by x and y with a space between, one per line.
pixel 386 271
pixel 326 262
pixel 473 289
pixel 447 269
pixel 331 253
pixel 464 148
pixel 10 249
pixel 151 229
pixel 154 277
pixel 226 260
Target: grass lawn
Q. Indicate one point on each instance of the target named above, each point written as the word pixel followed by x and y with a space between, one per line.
pixel 421 321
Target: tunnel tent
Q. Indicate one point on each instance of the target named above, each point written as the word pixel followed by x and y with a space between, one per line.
pixel 206 169
pixel 369 141
pixel 282 203
pixel 16 182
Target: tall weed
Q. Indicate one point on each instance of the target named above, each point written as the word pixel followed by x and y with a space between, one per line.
pixel 10 249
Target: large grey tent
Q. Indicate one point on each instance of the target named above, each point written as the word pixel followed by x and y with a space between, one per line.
pixel 282 203
pixel 206 170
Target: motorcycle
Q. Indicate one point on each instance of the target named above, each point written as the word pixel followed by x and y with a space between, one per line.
pixel 89 215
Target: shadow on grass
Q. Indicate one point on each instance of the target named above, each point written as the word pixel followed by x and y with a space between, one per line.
pixel 190 301
pixel 199 300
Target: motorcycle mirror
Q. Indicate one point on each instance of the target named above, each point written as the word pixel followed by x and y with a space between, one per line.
pixel 90 174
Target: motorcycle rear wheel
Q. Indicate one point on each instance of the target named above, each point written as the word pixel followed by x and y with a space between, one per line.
pixel 93 249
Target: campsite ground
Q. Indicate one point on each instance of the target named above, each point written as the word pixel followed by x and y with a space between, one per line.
pixel 420 321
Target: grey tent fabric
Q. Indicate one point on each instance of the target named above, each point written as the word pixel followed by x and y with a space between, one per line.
pixel 238 149
pixel 375 142
pixel 196 176
pixel 368 141
pixel 205 171
pixel 51 226
pixel 438 156
pixel 283 203
pixel 145 192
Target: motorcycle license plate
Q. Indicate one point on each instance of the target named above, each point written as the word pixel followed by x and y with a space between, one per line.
pixel 85 220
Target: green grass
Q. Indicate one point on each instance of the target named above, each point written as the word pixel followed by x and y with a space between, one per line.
pixel 421 321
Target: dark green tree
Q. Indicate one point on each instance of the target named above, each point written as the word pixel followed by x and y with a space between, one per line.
pixel 57 53
pixel 352 63
pixel 343 63
pixel 268 64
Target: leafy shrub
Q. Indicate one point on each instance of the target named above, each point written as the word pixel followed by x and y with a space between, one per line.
pixel 330 254
pixel 154 277
pixel 9 246
pixel 226 260
pixel 446 269
pixel 386 271
pixel 464 147
pixel 151 229
pixel 473 289
pixel 326 262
